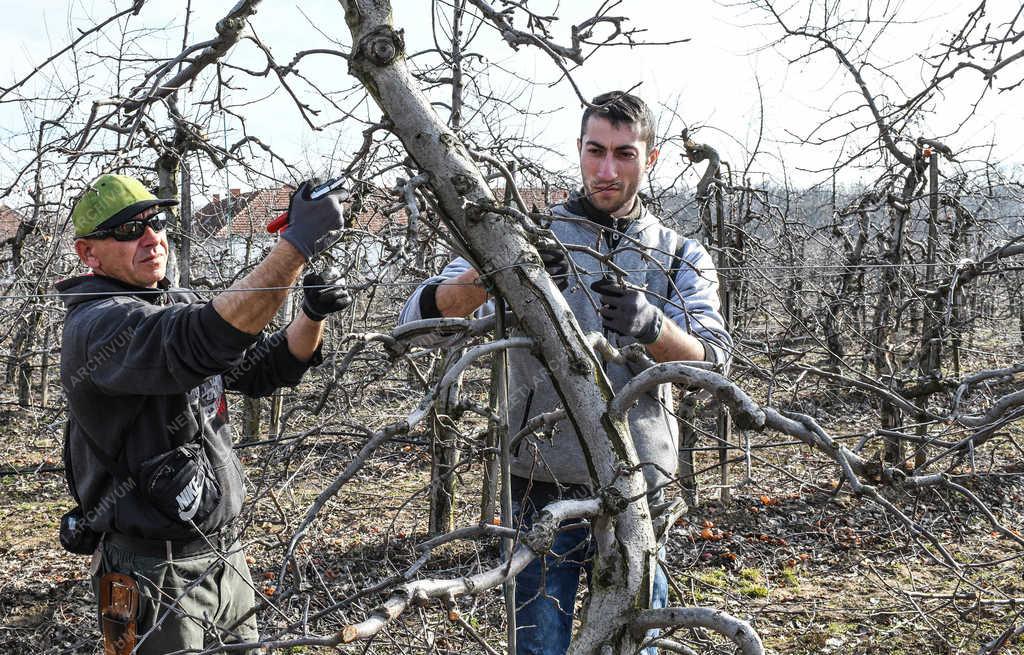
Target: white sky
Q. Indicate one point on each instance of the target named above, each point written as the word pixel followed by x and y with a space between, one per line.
pixel 713 78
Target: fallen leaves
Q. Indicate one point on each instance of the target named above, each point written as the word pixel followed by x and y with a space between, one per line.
pixel 767 539
pixel 709 532
pixel 800 560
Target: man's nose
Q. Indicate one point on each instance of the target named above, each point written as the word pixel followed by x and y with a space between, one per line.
pixel 148 237
pixel 606 167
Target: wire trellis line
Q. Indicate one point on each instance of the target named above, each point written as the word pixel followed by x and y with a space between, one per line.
pixel 414 283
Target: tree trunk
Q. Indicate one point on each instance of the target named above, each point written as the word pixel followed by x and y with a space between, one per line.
pixel 25 383
pixel 167 178
pixel 885 326
pixel 724 423
pixel 688 438
pixel 277 399
pixel 185 228
pixel 444 451
pixel 444 456
pixel 1020 315
pixel 44 368
pixel 930 362
pixel 251 419
pixel 17 341
pixel 498 246
pixel 22 357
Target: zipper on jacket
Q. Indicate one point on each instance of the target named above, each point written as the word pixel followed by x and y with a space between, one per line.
pixel 522 424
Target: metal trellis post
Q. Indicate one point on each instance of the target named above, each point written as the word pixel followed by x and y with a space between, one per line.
pixel 725 291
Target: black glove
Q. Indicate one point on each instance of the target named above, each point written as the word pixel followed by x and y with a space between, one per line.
pixel 321 298
pixel 313 225
pixel 625 310
pixel 555 264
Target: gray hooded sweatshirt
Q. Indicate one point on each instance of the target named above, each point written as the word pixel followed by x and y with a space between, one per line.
pixel 680 279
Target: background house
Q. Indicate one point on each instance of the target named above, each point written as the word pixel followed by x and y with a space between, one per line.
pixel 10 219
pixel 234 227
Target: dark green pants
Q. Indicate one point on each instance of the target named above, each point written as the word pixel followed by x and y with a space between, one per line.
pixel 191 602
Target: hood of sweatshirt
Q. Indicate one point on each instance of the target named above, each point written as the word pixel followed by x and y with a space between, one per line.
pixel 93 286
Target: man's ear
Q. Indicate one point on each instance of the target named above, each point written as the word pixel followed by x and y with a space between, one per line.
pixel 652 157
pixel 87 253
pixel 579 145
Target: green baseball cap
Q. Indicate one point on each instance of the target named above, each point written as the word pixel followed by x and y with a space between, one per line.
pixel 111 200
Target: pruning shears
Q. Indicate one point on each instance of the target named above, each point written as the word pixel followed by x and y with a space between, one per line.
pixel 318 192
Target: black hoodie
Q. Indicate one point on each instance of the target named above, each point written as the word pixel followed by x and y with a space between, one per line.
pixel 145 371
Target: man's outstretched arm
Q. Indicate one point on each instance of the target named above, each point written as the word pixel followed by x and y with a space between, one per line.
pixel 249 304
pixel 304 337
pixel 695 309
pixel 460 296
pixel 675 345
pixel 320 298
pixel 452 293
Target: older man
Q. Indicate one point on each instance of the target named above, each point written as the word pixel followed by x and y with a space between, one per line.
pixel 148 449
pixel 667 300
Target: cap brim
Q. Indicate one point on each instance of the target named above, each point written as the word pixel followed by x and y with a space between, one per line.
pixel 133 210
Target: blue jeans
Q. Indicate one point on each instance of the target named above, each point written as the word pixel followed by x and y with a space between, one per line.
pixel 546 589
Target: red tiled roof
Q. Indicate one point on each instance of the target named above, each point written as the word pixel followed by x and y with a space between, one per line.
pixel 250 211
pixel 241 214
pixel 9 221
pixel 542 198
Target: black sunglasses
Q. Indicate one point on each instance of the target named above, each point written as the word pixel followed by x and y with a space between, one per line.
pixel 131 230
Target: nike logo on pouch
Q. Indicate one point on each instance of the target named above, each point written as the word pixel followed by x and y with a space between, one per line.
pixel 188 499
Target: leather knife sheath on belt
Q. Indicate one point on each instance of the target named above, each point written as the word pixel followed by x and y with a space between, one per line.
pixel 119 607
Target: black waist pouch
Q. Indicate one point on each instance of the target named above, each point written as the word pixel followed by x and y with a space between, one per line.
pixel 76 536
pixel 180 484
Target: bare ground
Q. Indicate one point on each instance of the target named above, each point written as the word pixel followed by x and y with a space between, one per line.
pixel 815 571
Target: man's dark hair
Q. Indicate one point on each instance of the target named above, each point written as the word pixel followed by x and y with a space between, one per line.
pixel 620 107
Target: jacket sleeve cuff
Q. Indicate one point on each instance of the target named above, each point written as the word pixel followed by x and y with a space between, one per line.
pixel 287 365
pixel 710 355
pixel 428 302
pixel 222 332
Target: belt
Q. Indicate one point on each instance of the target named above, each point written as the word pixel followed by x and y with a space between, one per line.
pixel 541 493
pixel 221 540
